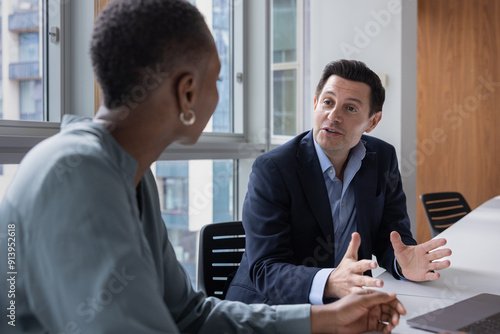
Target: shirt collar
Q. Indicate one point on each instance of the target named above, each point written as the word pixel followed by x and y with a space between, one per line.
pixel 323 159
pixel 356 154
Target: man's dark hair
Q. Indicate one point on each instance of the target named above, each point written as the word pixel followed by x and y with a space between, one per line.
pixel 134 38
pixel 355 70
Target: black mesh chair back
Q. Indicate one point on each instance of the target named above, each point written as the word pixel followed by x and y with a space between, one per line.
pixel 444 209
pixel 220 250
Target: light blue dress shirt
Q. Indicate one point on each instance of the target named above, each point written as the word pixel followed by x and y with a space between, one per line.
pixel 341 195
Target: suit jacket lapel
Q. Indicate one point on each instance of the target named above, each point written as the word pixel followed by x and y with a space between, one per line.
pixel 313 184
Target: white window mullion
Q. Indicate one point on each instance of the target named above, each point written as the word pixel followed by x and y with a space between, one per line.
pixel 54 15
pixel 300 65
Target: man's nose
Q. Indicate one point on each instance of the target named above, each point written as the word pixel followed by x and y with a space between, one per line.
pixel 335 114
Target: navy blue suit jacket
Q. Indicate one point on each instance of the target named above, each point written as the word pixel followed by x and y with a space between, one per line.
pixel 289 226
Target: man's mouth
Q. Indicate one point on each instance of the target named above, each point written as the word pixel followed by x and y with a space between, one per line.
pixel 332 131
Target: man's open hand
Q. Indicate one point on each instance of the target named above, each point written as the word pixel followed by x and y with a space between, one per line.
pixel 418 263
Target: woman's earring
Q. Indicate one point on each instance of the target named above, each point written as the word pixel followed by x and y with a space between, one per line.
pixel 190 121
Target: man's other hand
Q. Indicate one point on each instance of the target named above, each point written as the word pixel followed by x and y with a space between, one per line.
pixel 418 263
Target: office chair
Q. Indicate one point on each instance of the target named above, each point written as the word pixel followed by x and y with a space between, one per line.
pixel 220 250
pixel 444 209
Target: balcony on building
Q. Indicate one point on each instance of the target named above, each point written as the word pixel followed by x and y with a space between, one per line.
pixel 24 21
pixel 24 70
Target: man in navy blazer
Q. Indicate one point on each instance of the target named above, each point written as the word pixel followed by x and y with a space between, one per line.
pixel 319 206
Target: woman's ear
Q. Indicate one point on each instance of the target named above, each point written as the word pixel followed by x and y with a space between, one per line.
pixel 185 91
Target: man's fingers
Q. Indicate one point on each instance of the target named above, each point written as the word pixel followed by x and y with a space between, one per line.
pixel 433 244
pixel 372 282
pixel 439 265
pixel 364 265
pixel 359 280
pixel 356 289
pixel 397 243
pixel 438 254
pixel 431 276
pixel 352 250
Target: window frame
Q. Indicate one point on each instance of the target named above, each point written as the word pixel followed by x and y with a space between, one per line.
pixel 298 66
pixel 18 137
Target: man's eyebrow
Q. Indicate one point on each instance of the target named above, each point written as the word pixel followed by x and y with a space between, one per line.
pixel 353 99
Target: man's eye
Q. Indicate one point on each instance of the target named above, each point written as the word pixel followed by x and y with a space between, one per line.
pixel 351 109
pixel 327 102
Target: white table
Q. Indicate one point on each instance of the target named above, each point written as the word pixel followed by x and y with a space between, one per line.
pixel 475 266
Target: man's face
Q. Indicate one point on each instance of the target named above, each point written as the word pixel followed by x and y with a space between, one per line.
pixel 341 116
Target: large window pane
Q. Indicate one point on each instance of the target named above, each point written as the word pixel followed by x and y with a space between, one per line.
pixel 218 16
pixel 192 194
pixel 286 60
pixel 31 100
pixel 29 46
pixel 284 31
pixel 222 118
pixel 21 85
pixel 285 102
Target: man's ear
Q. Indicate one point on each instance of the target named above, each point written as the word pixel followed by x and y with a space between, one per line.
pixel 315 102
pixel 374 121
pixel 185 91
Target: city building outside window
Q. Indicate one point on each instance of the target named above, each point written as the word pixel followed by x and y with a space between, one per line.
pixel 192 194
pixel 31 100
pixel 286 65
pixel 22 87
pixel 21 79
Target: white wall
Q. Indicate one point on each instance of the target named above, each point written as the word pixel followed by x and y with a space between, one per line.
pixel 379 33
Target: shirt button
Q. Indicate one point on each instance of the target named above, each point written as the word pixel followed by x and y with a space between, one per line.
pixel 337 182
pixel 330 171
pixel 342 204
